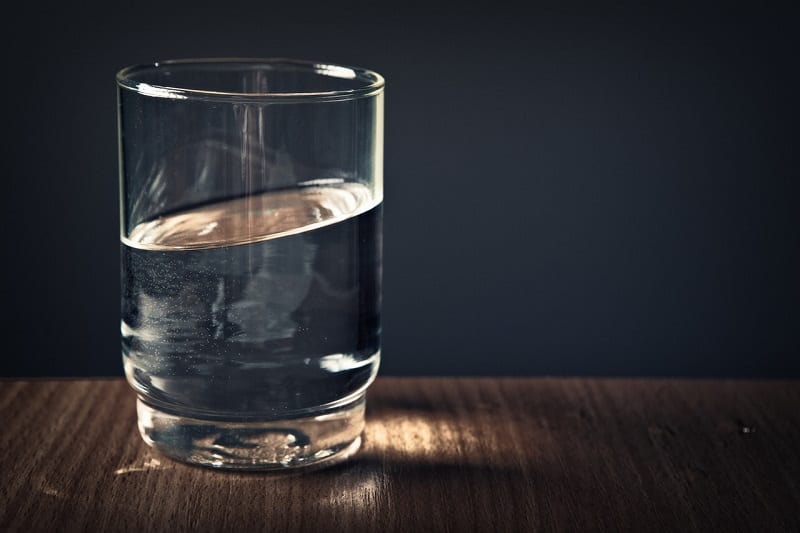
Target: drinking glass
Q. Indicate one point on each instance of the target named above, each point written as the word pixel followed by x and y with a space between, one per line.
pixel 251 226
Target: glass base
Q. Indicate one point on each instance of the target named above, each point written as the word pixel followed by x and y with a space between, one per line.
pixel 323 439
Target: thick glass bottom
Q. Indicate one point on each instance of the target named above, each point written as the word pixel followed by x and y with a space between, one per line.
pixel 323 439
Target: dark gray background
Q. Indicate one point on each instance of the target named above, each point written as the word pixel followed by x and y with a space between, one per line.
pixel 569 190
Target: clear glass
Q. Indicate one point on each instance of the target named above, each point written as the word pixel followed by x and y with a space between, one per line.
pixel 251 227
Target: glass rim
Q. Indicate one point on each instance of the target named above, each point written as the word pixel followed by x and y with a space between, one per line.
pixel 373 82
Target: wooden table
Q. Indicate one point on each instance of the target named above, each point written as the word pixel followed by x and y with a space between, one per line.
pixel 446 454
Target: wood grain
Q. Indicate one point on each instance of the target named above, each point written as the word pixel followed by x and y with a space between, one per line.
pixel 440 454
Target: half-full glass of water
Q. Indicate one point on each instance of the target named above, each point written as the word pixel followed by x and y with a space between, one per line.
pixel 251 214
